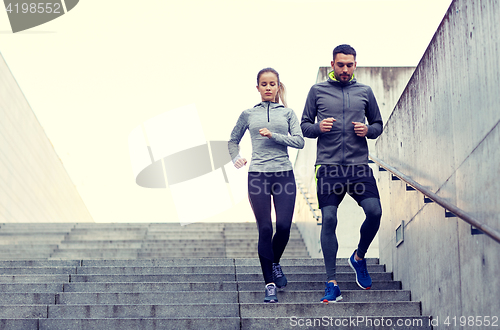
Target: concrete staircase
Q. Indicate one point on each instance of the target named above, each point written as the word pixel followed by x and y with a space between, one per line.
pixel 164 276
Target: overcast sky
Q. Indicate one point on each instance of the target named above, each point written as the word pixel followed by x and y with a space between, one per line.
pixel 94 74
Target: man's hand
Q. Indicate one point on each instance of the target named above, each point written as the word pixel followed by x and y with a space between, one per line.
pixel 265 132
pixel 360 129
pixel 240 163
pixel 326 124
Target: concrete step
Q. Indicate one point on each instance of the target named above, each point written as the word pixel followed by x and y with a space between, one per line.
pixel 309 269
pixel 27 298
pixel 252 246
pixel 319 286
pixel 351 276
pixel 156 270
pixel 198 269
pixel 27 248
pixel 38 278
pixel 126 287
pixel 145 297
pixel 128 250
pixel 31 287
pixel 23 311
pixel 93 255
pixel 82 245
pixel 167 262
pixel 245 310
pixel 19 323
pixel 167 276
pixel 215 323
pixel 31 238
pixel 318 309
pixel 106 236
pixel 285 262
pixel 286 254
pixel 135 243
pixel 24 256
pixel 37 270
pixel 365 323
pixel 133 286
pixel 336 322
pixel 39 263
pixel 139 298
pixel 154 278
pixel 144 310
pixel 316 295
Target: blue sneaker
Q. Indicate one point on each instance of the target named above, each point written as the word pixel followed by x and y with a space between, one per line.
pixel 279 277
pixel 363 279
pixel 332 293
pixel 271 294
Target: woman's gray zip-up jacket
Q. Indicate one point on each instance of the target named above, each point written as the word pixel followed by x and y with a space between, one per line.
pixel 268 154
pixel 347 103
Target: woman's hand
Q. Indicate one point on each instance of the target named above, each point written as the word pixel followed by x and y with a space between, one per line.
pixel 240 163
pixel 265 132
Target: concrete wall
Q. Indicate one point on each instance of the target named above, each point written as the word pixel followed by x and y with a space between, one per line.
pixel 444 133
pixel 34 186
pixel 387 84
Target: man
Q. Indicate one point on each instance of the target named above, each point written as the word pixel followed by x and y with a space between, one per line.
pixel 341 105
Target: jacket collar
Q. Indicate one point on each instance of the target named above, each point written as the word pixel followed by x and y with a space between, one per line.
pixel 271 105
pixel 333 80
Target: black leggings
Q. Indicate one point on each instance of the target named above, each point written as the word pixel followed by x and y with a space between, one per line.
pixel 281 186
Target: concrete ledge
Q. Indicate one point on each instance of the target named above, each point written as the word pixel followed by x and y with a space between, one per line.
pixel 37 270
pixel 309 269
pixel 314 296
pixel 351 276
pixel 32 298
pixel 156 270
pixel 39 263
pixel 319 285
pixel 334 309
pixel 150 287
pixel 226 323
pixel 161 262
pixel 32 287
pixel 334 322
pixel 154 278
pixel 18 324
pixel 23 311
pixel 34 279
pixel 299 261
pixel 153 298
pixel 143 311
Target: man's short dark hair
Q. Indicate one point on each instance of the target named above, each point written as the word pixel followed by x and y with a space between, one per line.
pixel 344 49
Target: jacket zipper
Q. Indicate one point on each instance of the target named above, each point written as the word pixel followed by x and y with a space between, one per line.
pixel 343 126
pixel 268 112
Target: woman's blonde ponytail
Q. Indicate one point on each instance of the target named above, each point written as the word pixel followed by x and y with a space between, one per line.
pixel 281 94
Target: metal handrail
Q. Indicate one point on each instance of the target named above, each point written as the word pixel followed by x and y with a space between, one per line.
pixel 304 194
pixel 491 232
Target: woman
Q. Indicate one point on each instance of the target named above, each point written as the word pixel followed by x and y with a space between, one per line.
pixel 273 127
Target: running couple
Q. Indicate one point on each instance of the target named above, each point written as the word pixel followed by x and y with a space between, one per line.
pixel 335 113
